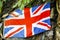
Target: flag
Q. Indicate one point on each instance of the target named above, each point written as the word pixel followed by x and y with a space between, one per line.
pixel 27 22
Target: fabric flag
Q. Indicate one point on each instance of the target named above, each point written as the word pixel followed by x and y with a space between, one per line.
pixel 27 22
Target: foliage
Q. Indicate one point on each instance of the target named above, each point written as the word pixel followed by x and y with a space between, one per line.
pixel 0 6
pixel 21 3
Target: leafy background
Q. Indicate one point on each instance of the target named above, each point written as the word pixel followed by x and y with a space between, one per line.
pixel 7 6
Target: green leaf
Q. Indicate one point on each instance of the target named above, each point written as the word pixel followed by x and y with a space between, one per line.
pixel 28 1
pixel 1 5
pixel 14 5
pixel 24 1
pixel 22 6
pixel 19 3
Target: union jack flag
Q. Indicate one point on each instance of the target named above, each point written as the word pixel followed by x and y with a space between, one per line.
pixel 28 22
